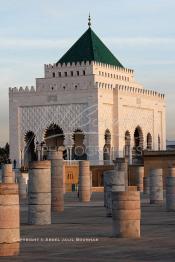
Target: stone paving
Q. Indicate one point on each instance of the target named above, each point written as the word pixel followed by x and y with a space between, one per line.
pixel 82 232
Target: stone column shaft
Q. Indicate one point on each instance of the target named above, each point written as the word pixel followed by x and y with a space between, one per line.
pixel 170 189
pixel 39 193
pixel 84 181
pixel 156 186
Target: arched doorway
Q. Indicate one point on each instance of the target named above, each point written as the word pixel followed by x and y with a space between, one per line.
pixel 149 141
pixel 79 149
pixel 138 144
pixel 54 136
pixel 127 144
pixel 29 151
pixel 107 146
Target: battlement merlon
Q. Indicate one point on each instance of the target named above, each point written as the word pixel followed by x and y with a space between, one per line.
pixel 120 88
pixel 141 92
pixel 21 90
pixel 70 69
pixel 93 67
pixel 105 76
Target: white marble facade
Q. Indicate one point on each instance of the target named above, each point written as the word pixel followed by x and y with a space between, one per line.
pixel 91 97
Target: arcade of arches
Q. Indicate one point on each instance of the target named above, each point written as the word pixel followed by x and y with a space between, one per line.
pixel 54 137
pixel 138 146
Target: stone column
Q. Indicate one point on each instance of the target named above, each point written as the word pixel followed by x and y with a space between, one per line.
pixel 130 155
pixel 170 189
pixel 114 180
pixel 105 193
pixel 67 152
pixel 107 178
pixel 146 185
pixel 71 153
pixel 9 220
pixel 38 151
pixel 84 181
pixel 91 182
pixel 57 181
pixel 132 188
pixel 8 174
pixel 17 173
pixel 25 175
pixel 156 186
pixel 22 180
pixel 139 173
pixel 64 177
pixel 126 214
pixel 121 164
pixel 68 144
pixel 0 175
pixel 118 181
pixel 22 187
pixel 39 193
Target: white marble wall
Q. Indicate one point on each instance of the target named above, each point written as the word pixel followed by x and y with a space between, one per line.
pixel 105 97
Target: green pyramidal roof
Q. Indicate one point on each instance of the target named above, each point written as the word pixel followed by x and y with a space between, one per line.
pixel 89 48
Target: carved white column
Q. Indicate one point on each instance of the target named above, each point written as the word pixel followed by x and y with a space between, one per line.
pixel 22 151
pixel 68 143
pixel 38 152
pixel 131 148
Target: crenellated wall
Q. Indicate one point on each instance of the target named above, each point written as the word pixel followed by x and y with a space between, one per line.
pixel 108 76
pixel 21 89
pixel 67 70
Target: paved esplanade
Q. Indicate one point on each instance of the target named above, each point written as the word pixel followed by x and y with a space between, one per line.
pixel 89 221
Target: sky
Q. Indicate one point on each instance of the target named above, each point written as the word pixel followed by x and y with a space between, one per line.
pixel 141 34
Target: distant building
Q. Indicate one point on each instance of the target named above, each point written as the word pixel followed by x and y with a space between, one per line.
pixel 90 103
pixel 170 145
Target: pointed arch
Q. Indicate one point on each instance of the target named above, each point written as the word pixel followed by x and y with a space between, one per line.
pixel 138 143
pixel 149 141
pixel 127 144
pixel 79 149
pixel 107 146
pixel 54 136
pixel 30 150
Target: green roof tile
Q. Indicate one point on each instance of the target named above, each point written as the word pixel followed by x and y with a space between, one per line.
pixel 89 47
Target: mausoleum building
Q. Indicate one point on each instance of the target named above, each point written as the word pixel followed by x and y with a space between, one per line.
pixel 89 103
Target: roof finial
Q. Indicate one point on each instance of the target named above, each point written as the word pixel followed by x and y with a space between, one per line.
pixel 89 20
